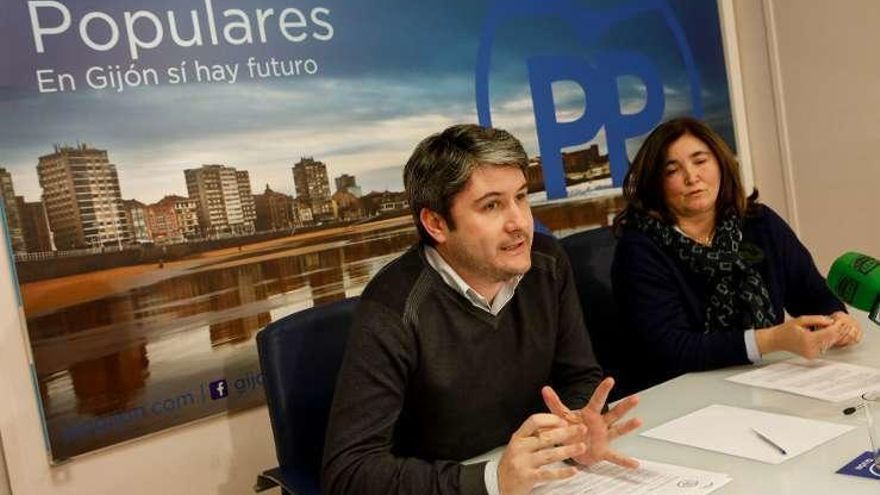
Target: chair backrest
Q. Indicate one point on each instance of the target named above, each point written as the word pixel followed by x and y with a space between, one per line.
pixel 300 356
pixel 591 253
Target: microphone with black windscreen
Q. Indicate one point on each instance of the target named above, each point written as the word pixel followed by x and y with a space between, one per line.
pixel 855 279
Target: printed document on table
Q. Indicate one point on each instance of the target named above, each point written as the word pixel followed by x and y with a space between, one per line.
pixel 652 478
pixel 820 379
pixel 732 430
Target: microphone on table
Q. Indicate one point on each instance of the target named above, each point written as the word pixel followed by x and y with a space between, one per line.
pixel 855 279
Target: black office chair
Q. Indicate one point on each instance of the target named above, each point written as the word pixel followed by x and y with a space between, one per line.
pixel 591 253
pixel 300 356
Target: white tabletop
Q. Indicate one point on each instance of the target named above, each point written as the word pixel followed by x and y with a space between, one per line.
pixel 810 473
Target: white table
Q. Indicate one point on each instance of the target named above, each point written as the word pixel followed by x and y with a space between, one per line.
pixel 810 473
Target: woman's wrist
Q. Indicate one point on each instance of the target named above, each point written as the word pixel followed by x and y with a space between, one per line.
pixel 766 340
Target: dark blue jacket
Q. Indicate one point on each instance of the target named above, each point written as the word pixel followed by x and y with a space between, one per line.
pixel 662 302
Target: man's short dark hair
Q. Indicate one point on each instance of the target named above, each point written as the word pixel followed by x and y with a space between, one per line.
pixel 442 163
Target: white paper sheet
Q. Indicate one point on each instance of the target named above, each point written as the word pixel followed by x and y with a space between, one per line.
pixel 729 430
pixel 650 478
pixel 820 379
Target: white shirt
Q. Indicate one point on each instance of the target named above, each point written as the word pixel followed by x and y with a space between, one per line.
pixel 454 280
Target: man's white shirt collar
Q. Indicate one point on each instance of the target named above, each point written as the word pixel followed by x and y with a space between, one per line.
pixel 454 280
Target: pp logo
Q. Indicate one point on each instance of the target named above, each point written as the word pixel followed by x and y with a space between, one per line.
pixel 219 389
pixel 597 77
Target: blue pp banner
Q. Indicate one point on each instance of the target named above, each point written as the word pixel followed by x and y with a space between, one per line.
pixel 177 174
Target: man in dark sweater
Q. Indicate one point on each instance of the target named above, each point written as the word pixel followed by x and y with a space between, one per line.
pixel 453 342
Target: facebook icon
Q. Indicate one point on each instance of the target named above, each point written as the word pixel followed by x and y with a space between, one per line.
pixel 219 389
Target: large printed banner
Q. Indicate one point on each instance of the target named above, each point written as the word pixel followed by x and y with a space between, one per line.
pixel 177 174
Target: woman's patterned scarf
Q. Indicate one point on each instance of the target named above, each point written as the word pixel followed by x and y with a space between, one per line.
pixel 738 297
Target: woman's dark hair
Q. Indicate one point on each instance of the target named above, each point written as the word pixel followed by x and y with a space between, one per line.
pixel 643 184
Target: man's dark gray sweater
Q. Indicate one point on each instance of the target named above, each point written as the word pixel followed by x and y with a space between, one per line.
pixel 429 380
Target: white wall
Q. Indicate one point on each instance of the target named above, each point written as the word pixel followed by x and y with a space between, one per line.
pixel 5 489
pixel 812 80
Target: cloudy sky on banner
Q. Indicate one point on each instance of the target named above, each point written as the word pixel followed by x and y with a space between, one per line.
pixel 392 73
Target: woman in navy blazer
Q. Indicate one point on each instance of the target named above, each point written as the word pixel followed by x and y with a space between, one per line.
pixel 703 275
